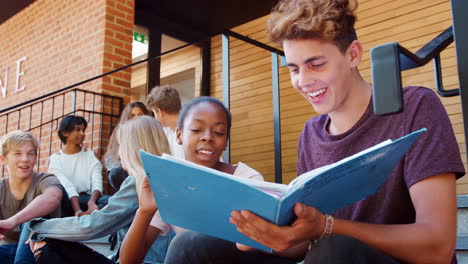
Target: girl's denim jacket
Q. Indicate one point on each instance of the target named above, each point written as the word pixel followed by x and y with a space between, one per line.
pixel 115 217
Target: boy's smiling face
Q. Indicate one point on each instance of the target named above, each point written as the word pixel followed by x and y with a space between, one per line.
pixel 20 161
pixel 321 72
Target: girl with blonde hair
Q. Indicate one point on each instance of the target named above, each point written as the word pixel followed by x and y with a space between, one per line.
pixel 140 133
pixel 144 133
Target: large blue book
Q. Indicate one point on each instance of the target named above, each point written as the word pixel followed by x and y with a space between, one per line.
pixel 201 199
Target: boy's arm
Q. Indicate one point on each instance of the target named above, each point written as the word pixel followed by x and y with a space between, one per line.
pixel 40 206
pixel 92 206
pixel 96 182
pixel 75 204
pixel 431 239
pixel 96 174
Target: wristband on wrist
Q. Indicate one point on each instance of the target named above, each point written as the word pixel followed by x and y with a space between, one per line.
pixel 78 212
pixel 328 229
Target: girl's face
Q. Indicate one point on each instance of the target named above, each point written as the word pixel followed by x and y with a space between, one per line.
pixel 136 112
pixel 204 134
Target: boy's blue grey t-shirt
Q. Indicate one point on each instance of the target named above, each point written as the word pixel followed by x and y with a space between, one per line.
pixel 435 152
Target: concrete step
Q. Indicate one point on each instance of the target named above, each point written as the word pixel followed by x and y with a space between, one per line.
pixel 101 245
pixel 462 229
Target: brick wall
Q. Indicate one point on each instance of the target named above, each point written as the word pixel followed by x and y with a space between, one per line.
pixel 119 23
pixel 63 43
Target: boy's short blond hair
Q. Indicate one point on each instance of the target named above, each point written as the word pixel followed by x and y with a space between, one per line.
pixel 165 98
pixel 15 139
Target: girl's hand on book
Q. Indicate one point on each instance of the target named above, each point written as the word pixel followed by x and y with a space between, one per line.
pixel 146 198
pixel 308 225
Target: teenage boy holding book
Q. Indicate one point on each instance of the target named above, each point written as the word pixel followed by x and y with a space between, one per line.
pixel 24 195
pixel 412 218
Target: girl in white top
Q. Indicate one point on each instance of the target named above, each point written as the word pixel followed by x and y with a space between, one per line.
pixel 203 131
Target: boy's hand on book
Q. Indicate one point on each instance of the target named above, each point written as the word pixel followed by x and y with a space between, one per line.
pixel 146 198
pixel 308 225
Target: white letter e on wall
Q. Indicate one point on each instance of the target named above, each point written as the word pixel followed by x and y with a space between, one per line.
pixel 19 73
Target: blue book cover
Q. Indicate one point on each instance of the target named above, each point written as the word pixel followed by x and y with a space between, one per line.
pixel 201 199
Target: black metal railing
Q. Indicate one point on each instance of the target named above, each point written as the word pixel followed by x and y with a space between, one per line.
pixel 390 59
pixel 275 90
pixel 53 107
pixel 42 117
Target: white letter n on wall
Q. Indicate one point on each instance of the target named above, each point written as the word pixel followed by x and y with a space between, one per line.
pixel 4 83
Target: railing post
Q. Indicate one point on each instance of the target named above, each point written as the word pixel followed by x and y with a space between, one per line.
pixel 460 36
pixel 226 88
pixel 73 100
pixel 276 116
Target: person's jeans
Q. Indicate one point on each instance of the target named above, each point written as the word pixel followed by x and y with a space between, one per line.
pixel 339 249
pixel 7 253
pixel 101 201
pixel 191 247
pixel 67 210
pixel 58 252
pixel 158 250
pixel 18 253
pixel 23 252
pixel 116 176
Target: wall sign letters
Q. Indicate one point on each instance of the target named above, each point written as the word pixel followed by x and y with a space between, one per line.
pixel 4 79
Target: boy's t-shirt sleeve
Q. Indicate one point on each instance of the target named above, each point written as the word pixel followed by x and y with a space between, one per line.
pixel 47 180
pixel 436 150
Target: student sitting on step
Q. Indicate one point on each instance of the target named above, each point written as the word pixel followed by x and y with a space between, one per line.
pixel 24 195
pixel 203 131
pixel 411 219
pixel 78 169
pixel 54 240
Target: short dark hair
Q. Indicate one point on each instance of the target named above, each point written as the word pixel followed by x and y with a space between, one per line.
pixel 68 124
pixel 204 99
pixel 165 98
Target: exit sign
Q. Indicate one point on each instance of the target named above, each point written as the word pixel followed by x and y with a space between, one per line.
pixel 139 37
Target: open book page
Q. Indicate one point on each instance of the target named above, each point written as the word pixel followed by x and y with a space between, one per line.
pixel 305 177
pixel 275 189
